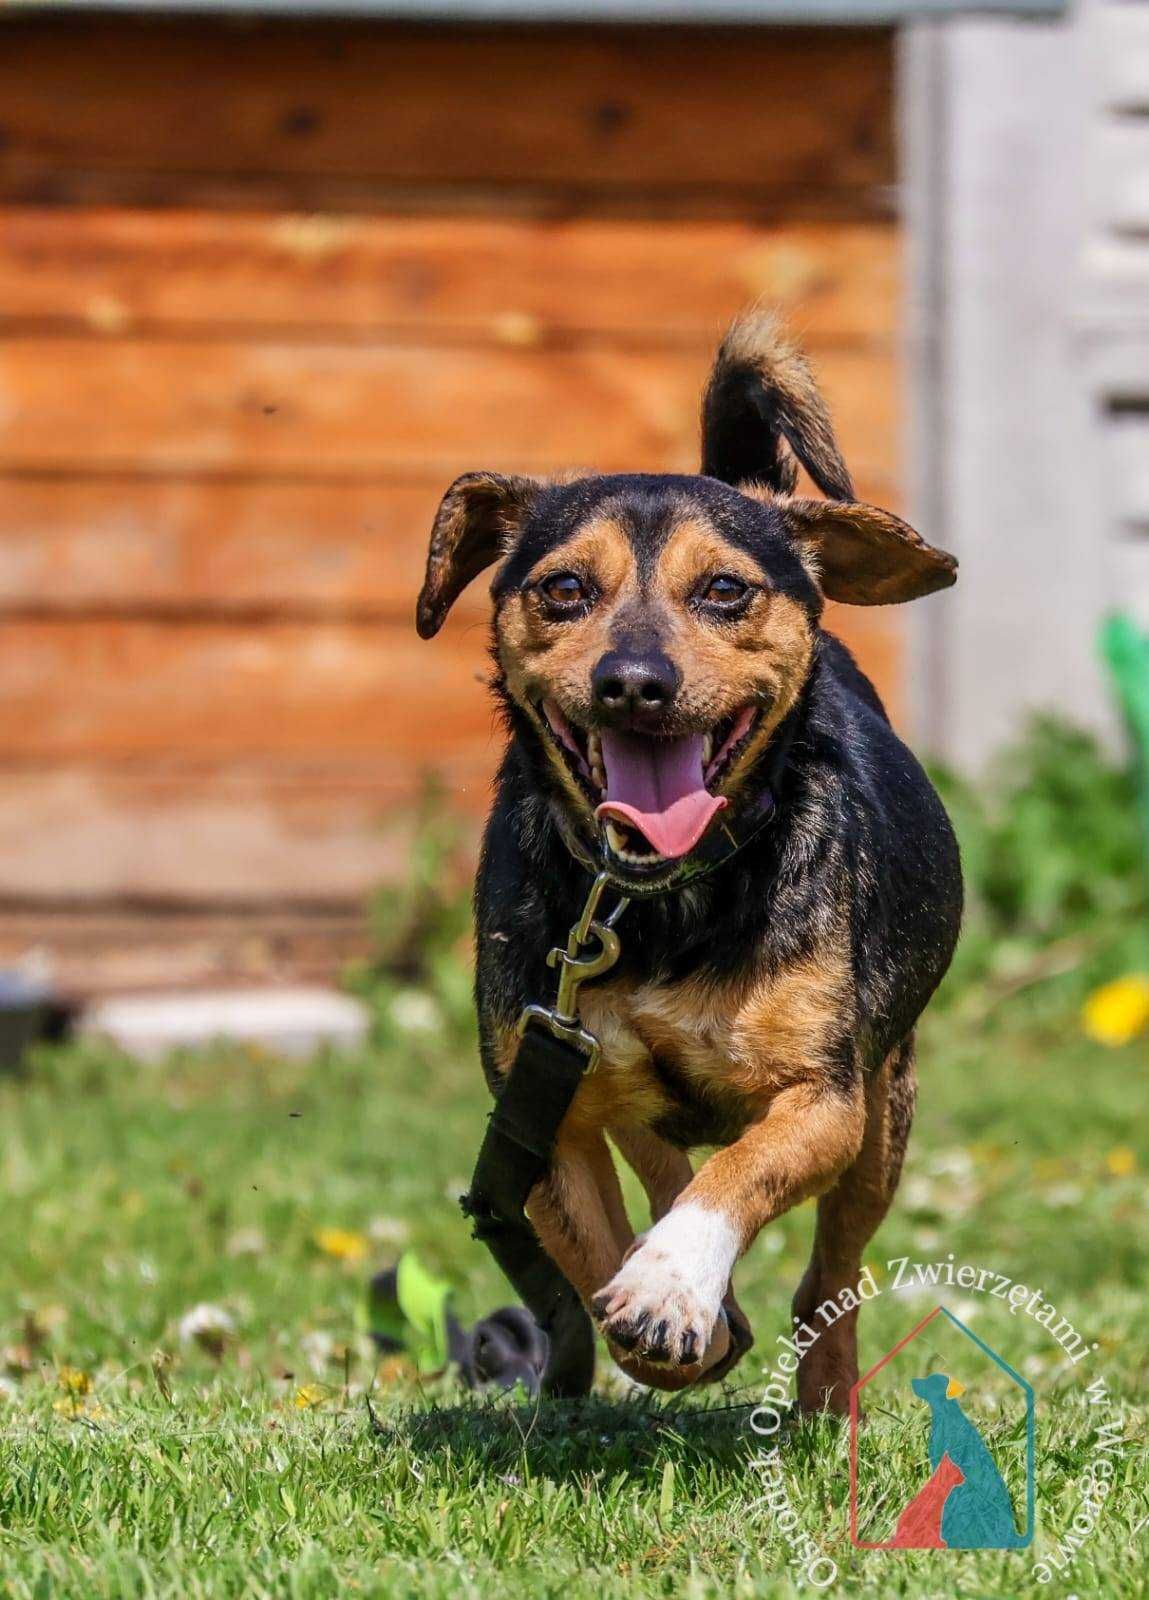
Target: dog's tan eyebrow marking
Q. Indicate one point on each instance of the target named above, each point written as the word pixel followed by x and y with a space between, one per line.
pixel 694 549
pixel 599 547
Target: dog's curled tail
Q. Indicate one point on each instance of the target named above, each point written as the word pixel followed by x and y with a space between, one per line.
pixel 761 396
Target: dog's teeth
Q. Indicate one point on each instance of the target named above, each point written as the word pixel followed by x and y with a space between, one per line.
pixel 707 748
pixel 594 756
pixel 617 841
pixel 594 759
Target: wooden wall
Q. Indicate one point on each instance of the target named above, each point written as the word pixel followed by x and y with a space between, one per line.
pixel 264 290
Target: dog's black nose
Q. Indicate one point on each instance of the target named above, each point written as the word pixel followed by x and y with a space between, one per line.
pixel 638 688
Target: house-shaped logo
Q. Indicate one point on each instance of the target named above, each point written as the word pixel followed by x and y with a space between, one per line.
pixel 945 1412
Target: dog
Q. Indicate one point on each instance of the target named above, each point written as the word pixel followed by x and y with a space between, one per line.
pixel 974 1512
pixel 665 679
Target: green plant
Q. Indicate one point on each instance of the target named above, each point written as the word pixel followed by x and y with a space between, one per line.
pixel 420 923
pixel 1053 860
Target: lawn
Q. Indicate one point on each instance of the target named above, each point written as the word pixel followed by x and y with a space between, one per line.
pixel 137 1457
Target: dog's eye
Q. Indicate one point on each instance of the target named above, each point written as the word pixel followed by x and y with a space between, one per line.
pixel 722 590
pixel 564 589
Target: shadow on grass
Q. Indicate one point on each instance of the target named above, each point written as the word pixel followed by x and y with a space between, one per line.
pixel 569 1438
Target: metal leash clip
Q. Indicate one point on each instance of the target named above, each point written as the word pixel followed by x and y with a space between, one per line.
pixel 575 969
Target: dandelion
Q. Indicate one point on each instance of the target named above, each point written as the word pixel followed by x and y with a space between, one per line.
pixel 72 1407
pixel 206 1325
pixel 310 1395
pixel 341 1243
pixel 1121 1162
pixel 1118 1011
pixel 76 1384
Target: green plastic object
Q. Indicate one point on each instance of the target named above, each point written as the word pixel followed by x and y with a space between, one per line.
pixel 408 1307
pixel 1125 651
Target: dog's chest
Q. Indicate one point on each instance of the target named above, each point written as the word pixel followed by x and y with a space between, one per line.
pixel 697 1061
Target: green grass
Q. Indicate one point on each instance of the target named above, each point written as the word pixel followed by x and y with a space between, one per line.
pixel 133 1193
pixel 137 1462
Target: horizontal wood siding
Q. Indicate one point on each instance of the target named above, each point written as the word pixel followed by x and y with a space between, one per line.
pixel 307 114
pixel 263 292
pixel 491 279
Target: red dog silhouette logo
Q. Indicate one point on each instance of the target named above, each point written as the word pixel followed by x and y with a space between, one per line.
pixel 976 1438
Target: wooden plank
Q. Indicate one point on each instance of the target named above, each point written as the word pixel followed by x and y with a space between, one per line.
pixel 174 407
pixel 190 768
pixel 290 107
pixel 332 693
pixel 98 949
pixel 205 833
pixel 126 689
pixel 510 280
pixel 185 546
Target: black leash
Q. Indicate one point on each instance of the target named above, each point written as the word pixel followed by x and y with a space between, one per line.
pixel 554 1054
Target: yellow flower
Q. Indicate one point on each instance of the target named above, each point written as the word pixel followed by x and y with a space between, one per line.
pixel 73 1407
pixel 1121 1161
pixel 341 1243
pixel 310 1395
pixel 74 1381
pixel 1118 1011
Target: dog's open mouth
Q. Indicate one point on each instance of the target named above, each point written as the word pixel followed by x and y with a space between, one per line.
pixel 656 797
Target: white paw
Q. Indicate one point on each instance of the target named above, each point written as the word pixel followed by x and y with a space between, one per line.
pixel 651 1309
pixel 665 1300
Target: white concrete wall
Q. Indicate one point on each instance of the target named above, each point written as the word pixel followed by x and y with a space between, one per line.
pixel 1027 189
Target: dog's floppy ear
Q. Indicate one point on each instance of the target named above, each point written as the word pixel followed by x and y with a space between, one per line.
pixel 761 398
pixel 864 556
pixel 476 522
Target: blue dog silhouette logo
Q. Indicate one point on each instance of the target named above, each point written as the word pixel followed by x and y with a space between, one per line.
pixel 967 1431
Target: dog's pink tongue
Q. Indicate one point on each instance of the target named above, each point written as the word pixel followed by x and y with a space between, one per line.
pixel 656 786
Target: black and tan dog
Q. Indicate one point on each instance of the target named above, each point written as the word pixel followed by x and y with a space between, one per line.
pixel 664 674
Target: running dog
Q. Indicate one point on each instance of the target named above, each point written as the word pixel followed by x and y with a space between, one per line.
pixel 666 682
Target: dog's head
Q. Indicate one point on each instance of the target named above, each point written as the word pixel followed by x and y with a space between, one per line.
pixel 652 632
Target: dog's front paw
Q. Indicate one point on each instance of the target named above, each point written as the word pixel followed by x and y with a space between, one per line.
pixel 651 1308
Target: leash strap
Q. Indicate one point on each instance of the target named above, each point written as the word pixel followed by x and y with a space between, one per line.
pixel 554 1055
pixel 517 1149
pixel 516 1152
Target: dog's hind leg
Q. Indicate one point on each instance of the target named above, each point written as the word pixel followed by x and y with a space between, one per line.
pixel 848 1217
pixel 663 1170
pixel 578 1212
